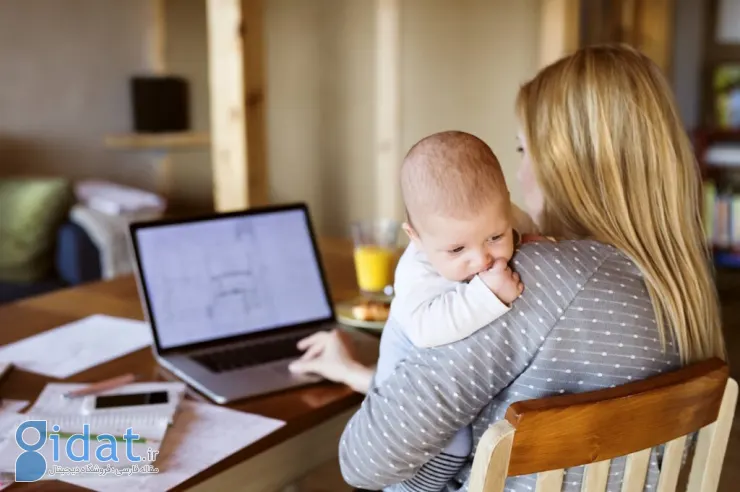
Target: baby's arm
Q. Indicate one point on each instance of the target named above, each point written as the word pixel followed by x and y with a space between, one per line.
pixel 434 311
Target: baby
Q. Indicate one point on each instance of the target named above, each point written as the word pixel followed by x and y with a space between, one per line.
pixel 454 277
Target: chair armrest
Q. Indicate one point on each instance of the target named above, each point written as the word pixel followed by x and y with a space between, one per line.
pixel 77 257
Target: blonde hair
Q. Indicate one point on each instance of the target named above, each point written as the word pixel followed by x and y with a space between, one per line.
pixel 614 164
pixel 450 173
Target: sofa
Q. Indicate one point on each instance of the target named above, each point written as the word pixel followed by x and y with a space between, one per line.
pixel 40 249
pixel 76 261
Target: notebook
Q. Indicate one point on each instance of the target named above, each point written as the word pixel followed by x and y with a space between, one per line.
pixel 101 446
pixel 97 439
pixel 52 400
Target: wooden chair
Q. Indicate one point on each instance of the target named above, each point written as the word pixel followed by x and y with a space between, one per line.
pixel 547 435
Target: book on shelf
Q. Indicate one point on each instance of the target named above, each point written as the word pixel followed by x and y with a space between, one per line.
pixel 726 88
pixel 723 155
pixel 722 217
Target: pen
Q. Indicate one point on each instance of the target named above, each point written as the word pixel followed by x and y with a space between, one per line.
pixel 102 386
pixel 94 437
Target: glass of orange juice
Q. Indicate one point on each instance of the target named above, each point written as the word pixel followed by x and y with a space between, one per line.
pixel 376 255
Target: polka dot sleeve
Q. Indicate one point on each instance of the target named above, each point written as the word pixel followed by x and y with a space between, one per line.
pixel 411 416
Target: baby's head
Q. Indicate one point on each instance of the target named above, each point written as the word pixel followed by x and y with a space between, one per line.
pixel 457 204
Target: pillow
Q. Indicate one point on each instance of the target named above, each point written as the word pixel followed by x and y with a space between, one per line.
pixel 31 211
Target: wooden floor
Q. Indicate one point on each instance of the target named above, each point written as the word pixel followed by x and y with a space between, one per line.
pixel 328 479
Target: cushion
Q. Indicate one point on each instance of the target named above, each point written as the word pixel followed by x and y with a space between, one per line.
pixel 31 211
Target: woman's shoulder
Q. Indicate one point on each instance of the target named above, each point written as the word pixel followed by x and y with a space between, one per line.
pixel 576 263
pixel 586 252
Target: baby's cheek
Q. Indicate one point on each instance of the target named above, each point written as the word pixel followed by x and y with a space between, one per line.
pixel 458 270
pixel 506 250
pixel 447 267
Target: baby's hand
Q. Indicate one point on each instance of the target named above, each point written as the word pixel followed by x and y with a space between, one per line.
pixel 502 281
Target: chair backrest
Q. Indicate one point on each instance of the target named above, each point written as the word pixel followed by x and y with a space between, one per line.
pixel 547 435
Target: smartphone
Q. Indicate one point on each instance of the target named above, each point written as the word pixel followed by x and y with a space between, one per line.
pixel 130 399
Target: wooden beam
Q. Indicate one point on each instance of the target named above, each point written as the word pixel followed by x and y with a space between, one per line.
pixel 388 110
pixel 236 75
pixel 157 53
pixel 559 29
pixel 158 37
pixel 654 31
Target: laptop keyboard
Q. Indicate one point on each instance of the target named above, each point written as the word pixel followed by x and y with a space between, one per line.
pixel 250 355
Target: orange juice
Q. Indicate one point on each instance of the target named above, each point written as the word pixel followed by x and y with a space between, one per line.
pixel 375 266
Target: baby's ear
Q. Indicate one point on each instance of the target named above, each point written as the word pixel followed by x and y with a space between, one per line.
pixel 410 232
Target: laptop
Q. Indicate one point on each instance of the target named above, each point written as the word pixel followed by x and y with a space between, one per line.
pixel 228 297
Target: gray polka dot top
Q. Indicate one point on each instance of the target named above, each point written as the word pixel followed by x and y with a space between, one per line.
pixel 584 322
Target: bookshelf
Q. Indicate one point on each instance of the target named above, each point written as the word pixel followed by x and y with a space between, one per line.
pixel 718 155
pixel 718 149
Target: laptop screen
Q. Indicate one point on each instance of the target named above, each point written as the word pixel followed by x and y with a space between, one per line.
pixel 228 276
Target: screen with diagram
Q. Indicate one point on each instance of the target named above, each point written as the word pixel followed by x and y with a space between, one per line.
pixel 231 276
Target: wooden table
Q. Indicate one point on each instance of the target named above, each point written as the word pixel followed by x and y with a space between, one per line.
pixel 315 415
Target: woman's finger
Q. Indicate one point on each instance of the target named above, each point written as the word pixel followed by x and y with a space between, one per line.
pixel 302 366
pixel 313 339
pixel 313 351
pixel 313 366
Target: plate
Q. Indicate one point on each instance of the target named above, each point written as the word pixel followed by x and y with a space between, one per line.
pixel 345 316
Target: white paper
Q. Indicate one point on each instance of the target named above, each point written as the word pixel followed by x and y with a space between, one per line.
pixel 9 420
pixel 15 406
pixel 190 447
pixel 52 402
pixel 150 422
pixel 728 22
pixel 153 431
pixel 8 424
pixel 72 348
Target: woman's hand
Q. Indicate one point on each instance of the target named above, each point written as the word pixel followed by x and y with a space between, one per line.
pixel 331 354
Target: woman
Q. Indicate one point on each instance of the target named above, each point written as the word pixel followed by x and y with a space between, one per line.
pixel 626 294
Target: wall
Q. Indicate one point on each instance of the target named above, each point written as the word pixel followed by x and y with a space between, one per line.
pixel 462 63
pixel 65 65
pixel 63 86
pixel 186 55
pixel 688 45
pixel 320 104
pixel 459 70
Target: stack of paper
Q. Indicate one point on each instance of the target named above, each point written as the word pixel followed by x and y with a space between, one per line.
pixel 77 346
pixel 9 418
pixel 52 401
pixel 202 435
pixel 132 431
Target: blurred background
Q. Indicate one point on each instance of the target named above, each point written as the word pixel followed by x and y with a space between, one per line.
pixel 65 83
pixel 119 110
pixel 334 92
